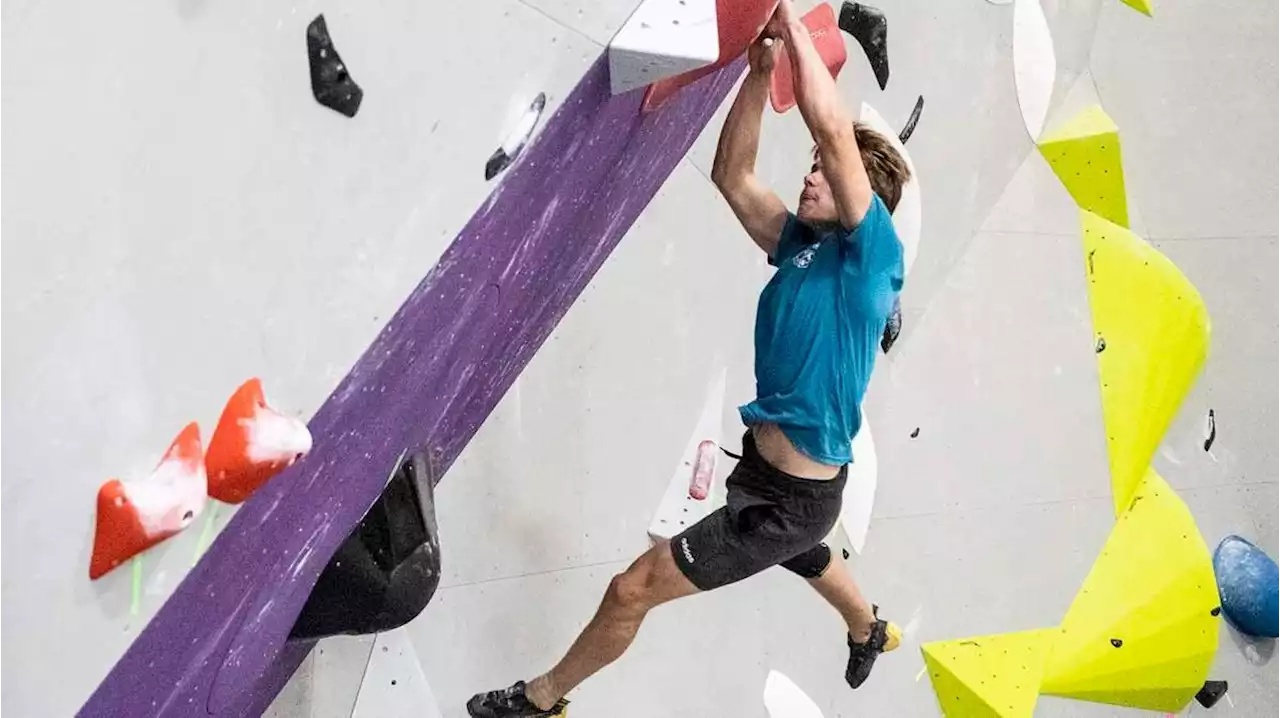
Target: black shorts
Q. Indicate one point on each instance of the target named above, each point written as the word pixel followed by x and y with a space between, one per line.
pixel 770 518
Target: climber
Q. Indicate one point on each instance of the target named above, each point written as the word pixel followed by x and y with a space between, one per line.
pixel 818 324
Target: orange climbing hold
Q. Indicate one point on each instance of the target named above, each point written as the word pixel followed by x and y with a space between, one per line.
pixel 740 23
pixel 133 516
pixel 252 443
pixel 825 33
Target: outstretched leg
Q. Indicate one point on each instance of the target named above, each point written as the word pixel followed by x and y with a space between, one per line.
pixel 651 581
pixel 836 585
pixel 869 635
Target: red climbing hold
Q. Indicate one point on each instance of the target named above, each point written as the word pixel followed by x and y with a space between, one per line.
pixel 252 443
pixel 825 33
pixel 133 516
pixel 704 469
pixel 740 23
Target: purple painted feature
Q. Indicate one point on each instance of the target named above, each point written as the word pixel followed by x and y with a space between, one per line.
pixel 217 646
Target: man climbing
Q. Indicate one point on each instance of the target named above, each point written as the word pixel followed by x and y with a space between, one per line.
pixel 818 324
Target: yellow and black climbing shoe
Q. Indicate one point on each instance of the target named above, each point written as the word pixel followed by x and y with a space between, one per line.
pixel 885 637
pixel 511 703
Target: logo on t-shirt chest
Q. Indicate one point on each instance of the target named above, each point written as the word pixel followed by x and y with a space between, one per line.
pixel 805 257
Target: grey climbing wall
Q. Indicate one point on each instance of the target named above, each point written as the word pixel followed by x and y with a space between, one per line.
pixel 991 517
pixel 180 214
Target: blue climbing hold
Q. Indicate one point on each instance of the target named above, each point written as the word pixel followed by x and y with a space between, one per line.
pixel 1249 585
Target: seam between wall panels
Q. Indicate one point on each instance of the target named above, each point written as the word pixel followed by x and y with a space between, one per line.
pixel 530 574
pixel 561 23
pixel 1261 237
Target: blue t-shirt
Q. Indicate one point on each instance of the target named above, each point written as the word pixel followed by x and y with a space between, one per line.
pixel 818 328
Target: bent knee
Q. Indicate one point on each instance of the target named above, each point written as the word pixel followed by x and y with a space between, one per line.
pixel 811 564
pixel 646 583
pixel 631 591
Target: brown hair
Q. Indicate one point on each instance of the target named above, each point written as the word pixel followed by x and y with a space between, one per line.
pixel 885 167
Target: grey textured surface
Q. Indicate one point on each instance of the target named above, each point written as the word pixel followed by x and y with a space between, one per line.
pixel 432 376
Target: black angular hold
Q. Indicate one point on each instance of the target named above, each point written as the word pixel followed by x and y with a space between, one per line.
pixel 1211 693
pixel 869 27
pixel 1217 611
pixel 1211 427
pixel 845 553
pixel 1117 642
pixel 915 433
pixel 331 83
pixel 892 328
pixel 515 142
pixel 1100 346
pixel 910 128
pixel 388 569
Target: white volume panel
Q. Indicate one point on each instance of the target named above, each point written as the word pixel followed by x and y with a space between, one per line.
pixel 661 39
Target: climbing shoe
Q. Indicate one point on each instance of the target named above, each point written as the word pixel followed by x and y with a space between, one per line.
pixel 884 637
pixel 510 703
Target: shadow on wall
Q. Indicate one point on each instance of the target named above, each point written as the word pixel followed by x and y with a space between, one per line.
pixel 1257 651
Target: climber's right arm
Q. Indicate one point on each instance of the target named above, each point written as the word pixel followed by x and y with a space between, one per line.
pixel 759 210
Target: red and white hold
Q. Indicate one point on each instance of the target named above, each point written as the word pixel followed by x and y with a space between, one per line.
pixel 174 495
pixel 253 442
pixel 133 516
pixel 274 438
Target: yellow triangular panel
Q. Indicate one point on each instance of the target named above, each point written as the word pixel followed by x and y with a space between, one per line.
pixel 954 697
pixel 1141 632
pixel 1088 122
pixel 1142 6
pixel 1152 334
pixel 989 676
pixel 1085 154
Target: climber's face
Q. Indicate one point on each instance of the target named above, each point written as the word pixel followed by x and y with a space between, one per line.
pixel 817 204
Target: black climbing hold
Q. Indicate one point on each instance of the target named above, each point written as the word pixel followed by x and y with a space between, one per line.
pixel 1211 693
pixel 331 84
pixel 1217 611
pixel 1117 642
pixel 1212 427
pixel 845 552
pixel 1101 346
pixel 515 142
pixel 869 27
pixel 909 128
pixel 915 433
pixel 892 327
pixel 387 570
